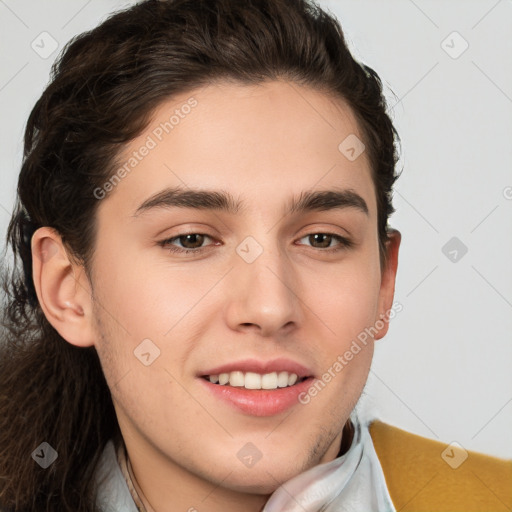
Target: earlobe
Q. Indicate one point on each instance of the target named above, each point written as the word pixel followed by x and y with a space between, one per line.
pixel 387 287
pixel 62 288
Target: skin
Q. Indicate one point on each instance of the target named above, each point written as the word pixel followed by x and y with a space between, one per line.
pixel 263 144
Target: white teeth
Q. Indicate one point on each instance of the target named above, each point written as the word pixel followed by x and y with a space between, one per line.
pixel 251 380
pixel 282 379
pixel 236 379
pixel 269 381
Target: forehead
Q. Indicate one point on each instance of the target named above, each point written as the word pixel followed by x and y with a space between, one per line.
pixel 261 142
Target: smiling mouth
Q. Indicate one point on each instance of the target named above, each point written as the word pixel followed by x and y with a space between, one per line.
pixel 251 380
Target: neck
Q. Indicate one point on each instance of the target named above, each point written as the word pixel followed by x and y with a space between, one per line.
pixel 220 499
pixel 217 500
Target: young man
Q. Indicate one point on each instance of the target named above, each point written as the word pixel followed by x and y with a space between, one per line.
pixel 203 226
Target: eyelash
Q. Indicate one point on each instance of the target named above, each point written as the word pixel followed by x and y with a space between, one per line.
pixel 344 243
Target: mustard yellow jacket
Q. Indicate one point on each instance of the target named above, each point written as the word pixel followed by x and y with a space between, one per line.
pixel 420 479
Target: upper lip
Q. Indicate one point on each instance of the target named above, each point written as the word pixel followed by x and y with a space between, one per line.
pixel 262 367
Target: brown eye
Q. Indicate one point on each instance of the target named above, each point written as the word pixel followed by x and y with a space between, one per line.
pixel 322 239
pixel 188 243
pixel 327 241
pixel 192 241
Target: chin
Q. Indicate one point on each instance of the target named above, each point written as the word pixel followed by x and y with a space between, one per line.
pixel 262 478
pixel 262 483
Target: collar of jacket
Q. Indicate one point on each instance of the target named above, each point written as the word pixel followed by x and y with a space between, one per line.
pixel 423 475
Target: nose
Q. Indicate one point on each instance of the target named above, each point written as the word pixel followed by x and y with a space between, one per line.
pixel 264 295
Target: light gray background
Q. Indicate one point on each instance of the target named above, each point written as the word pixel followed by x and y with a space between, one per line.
pixel 444 369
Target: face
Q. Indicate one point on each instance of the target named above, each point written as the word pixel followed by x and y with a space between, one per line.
pixel 241 244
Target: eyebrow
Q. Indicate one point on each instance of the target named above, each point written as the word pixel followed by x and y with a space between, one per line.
pixel 328 200
pixel 321 200
pixel 190 198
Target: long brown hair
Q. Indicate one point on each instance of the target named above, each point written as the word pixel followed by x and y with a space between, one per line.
pixel 103 89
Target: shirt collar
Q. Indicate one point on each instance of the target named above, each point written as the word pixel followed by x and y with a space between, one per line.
pixel 353 482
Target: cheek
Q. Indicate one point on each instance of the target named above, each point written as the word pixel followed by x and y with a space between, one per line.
pixel 138 358
pixel 144 297
pixel 143 300
pixel 345 300
pixel 345 304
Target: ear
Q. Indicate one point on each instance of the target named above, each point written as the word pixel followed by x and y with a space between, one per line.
pixel 62 288
pixel 387 287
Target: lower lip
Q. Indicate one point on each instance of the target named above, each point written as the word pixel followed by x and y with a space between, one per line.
pixel 259 402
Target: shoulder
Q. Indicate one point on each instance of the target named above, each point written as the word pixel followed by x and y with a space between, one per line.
pixel 425 475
